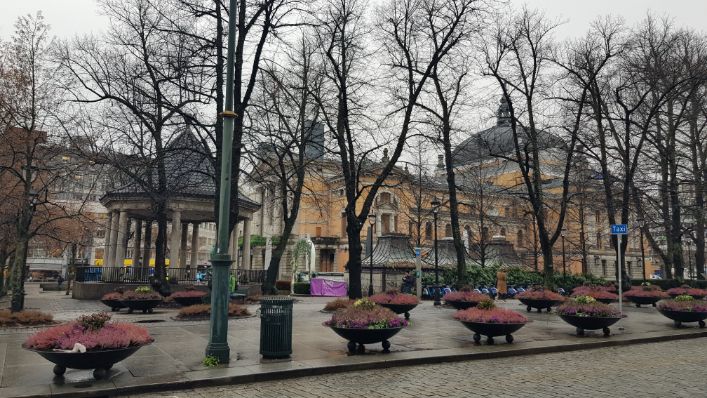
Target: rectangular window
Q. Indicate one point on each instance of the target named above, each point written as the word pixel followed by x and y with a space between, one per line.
pixel 603 267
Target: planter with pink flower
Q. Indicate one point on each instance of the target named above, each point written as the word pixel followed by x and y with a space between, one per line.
pixel 189 296
pixel 540 299
pixel 602 294
pixel 645 295
pixel 464 299
pixel 687 290
pixel 114 300
pixel 90 342
pixel 143 298
pixel 684 309
pixel 491 321
pixel 587 313
pixel 365 322
pixel 400 303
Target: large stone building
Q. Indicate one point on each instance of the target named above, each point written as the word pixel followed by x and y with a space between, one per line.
pixel 492 209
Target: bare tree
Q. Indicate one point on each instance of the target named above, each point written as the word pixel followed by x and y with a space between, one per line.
pixel 412 58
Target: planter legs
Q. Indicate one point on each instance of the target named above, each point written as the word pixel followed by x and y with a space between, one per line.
pixel 607 332
pixel 489 340
pixel 549 309
pixel 351 347
pixel 100 373
pixel 638 306
pixel 386 346
pixel 130 310
pixel 677 324
pixel 361 349
pixel 540 310
pixel 580 332
pixel 702 324
pixel 509 338
pixel 407 315
pixel 654 304
pixel 529 308
pixel 477 338
pixel 59 370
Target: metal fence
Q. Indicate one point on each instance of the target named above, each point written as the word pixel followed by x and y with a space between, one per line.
pixel 140 275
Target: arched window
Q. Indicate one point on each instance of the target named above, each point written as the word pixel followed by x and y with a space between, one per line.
pixel 428 230
pixel 469 236
pixel 485 234
pixel 519 238
pixel 448 230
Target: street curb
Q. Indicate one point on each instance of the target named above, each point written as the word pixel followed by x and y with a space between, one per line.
pixel 425 358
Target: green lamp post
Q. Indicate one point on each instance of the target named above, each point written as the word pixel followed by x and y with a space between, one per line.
pixel 220 258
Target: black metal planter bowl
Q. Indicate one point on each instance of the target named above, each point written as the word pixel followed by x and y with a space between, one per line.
pixel 366 336
pixel 115 305
pixel 606 300
pixel 187 301
pixel 680 317
pixel 101 361
pixel 141 305
pixel 583 323
pixel 461 305
pixel 400 308
pixel 639 301
pixel 491 330
pixel 539 304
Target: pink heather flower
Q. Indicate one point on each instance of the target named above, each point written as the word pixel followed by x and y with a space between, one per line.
pixel 540 294
pixel 641 291
pixel 465 296
pixel 394 298
pixel 493 315
pixel 683 306
pixel 358 318
pixel 188 294
pixel 596 309
pixel 600 293
pixel 677 291
pixel 110 336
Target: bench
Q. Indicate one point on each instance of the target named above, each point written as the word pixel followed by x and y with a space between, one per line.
pixel 240 295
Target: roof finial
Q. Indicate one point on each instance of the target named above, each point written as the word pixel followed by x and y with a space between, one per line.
pixel 503 115
pixel 386 158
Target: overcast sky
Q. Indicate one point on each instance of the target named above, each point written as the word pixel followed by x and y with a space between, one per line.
pixel 71 17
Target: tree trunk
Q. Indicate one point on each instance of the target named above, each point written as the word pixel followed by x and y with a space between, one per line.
pixel 160 242
pixel 274 268
pixel 353 232
pixel 453 205
pixel 18 275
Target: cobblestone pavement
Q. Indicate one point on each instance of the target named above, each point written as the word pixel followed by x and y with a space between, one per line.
pixel 648 370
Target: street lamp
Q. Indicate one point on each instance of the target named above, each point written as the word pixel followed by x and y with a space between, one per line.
pixel 564 265
pixel 689 259
pixel 371 225
pixel 220 258
pixel 435 209
pixel 642 224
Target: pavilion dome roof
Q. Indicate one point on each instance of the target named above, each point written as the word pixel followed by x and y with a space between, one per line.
pixel 392 251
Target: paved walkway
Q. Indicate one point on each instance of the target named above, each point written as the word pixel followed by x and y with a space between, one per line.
pixel 671 369
pixel 176 355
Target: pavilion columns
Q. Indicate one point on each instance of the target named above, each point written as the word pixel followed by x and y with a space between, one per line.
pixel 246 244
pixel 183 245
pixel 233 249
pixel 113 240
pixel 120 239
pixel 106 238
pixel 175 239
pixel 147 251
pixel 194 245
pixel 137 241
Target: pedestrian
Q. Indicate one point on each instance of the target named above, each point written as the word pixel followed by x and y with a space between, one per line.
pixel 501 286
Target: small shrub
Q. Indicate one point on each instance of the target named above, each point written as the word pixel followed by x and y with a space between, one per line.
pixel 94 321
pixel 283 285
pixel 598 292
pixel 490 315
pixel 337 304
pixel 204 310
pixel 301 288
pixel 143 289
pixel 141 295
pixel 24 318
pixel 210 361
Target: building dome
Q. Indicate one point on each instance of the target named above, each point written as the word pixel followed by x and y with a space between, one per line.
pixel 497 140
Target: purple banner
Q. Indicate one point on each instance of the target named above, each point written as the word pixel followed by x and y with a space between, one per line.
pixel 325 287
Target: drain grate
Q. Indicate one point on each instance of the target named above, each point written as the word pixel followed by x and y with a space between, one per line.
pixel 150 321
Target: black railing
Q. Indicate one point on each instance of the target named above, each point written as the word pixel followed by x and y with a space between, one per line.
pixel 138 275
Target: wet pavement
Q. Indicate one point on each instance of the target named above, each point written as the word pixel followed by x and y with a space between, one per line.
pixel 177 353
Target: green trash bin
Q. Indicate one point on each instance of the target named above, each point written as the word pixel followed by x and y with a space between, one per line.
pixel 276 327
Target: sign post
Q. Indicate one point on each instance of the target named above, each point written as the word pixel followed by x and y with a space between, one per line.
pixel 418 272
pixel 620 230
